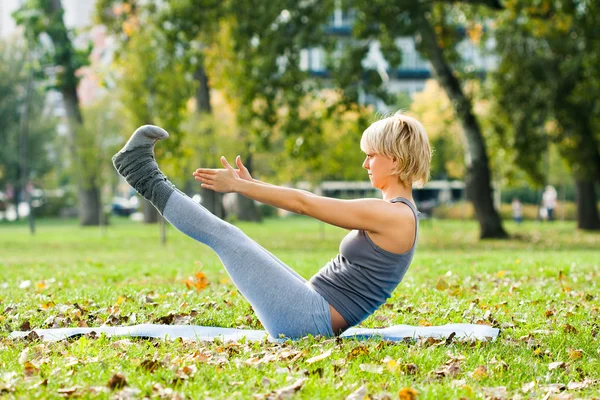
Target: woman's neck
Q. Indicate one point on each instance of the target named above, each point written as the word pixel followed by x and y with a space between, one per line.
pixel 397 190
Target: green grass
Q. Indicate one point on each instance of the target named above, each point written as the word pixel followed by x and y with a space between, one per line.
pixel 541 287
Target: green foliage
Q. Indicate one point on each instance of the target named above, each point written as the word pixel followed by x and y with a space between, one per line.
pixel 14 69
pixel 433 109
pixel 256 61
pixel 547 82
pixel 42 17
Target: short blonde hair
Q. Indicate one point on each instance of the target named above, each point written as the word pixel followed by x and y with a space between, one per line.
pixel 403 138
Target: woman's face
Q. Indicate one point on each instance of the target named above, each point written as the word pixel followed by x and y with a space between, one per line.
pixel 380 169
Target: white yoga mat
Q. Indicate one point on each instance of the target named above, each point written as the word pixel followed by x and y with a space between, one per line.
pixel 209 333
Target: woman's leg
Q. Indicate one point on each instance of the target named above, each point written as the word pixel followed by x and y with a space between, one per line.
pixel 281 299
pixel 283 303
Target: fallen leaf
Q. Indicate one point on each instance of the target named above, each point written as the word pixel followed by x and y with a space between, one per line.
pixel 408 393
pixel 449 370
pixel 150 365
pixel 372 368
pixel 556 365
pixel 569 328
pixel 495 393
pixel 117 381
pixel 319 357
pixel 553 387
pixel 288 391
pixel 582 385
pixel 25 284
pixel 358 394
pixel 29 369
pixel 359 350
pixel 67 392
pixel 197 282
pixel 575 354
pixel 408 369
pixel 441 284
pixel 480 372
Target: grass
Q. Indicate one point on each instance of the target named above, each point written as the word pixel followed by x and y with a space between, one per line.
pixel 541 288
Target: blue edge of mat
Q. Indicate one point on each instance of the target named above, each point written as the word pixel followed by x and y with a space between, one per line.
pixel 208 333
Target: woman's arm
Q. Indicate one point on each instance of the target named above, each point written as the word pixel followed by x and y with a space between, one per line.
pixel 366 214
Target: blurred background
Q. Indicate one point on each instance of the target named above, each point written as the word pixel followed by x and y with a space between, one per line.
pixel 507 91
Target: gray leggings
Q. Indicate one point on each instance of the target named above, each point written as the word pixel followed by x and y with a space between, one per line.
pixel 283 301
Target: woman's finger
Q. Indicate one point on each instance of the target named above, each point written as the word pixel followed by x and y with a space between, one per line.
pixel 206 171
pixel 238 162
pixel 226 164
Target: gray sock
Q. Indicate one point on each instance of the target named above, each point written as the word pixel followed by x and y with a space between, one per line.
pixel 135 162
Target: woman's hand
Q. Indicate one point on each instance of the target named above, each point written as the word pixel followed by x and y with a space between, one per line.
pixel 242 171
pixel 222 180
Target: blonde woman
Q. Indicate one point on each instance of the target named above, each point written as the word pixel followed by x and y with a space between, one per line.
pixel 374 255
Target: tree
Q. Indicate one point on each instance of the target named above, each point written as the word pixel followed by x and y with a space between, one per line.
pixel 433 109
pixel 437 36
pixel 151 80
pixel 547 84
pixel 14 71
pixel 46 18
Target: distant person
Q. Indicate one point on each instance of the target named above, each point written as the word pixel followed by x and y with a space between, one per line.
pixel 517 210
pixel 373 257
pixel 549 202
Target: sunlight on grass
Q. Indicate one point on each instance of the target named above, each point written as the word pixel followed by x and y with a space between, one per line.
pixel 541 288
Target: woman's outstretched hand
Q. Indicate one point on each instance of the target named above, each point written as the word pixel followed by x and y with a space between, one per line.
pixel 222 180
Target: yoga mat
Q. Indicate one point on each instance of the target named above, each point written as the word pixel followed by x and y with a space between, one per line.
pixel 209 333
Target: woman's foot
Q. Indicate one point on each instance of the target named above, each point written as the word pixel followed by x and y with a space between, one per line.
pixel 135 162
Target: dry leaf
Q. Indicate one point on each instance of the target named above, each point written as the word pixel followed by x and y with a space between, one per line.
pixel 441 284
pixel 198 281
pixel 117 381
pixel 480 372
pixel 408 393
pixel 449 370
pixel 569 328
pixel 319 357
pixel 408 369
pixel 527 387
pixel 553 387
pixel 372 368
pixel 67 392
pixel 575 354
pixel 359 350
pixel 556 365
pixel 495 393
pixel 289 391
pixel 150 365
pixel 358 394
pixel 582 385
pixel 29 369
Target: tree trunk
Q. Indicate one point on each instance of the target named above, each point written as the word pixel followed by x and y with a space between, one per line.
pixel 203 90
pixel 89 204
pixel 89 199
pixel 211 200
pixel 479 190
pixel 246 208
pixel 587 208
pixel 150 212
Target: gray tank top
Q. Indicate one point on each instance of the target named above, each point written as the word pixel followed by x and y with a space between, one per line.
pixel 363 276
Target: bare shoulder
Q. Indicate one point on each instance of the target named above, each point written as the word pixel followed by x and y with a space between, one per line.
pixel 397 235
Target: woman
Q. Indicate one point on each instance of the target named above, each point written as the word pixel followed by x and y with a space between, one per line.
pixel 373 257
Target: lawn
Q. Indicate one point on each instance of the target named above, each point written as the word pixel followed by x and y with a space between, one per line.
pixel 541 288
